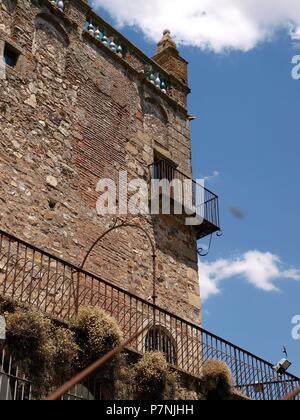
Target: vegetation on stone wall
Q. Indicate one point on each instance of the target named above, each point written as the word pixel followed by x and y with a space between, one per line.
pixel 217 380
pixel 50 353
pixel 66 355
pixel 184 394
pixel 96 334
pixel 7 305
pixel 29 341
pixel 154 378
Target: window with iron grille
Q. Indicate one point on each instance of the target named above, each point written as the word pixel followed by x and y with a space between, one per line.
pixel 163 168
pixel 159 339
pixel 13 384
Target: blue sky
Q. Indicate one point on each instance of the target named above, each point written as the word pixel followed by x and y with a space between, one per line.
pixel 248 130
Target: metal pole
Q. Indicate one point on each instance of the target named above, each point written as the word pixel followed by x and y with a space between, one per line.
pixel 292 395
pixel 154 297
pixel 77 282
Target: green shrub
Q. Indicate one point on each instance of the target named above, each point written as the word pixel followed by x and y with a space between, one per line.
pixel 49 354
pixel 29 341
pixel 97 333
pixel 7 305
pixel 154 379
pixel 217 380
pixel 66 355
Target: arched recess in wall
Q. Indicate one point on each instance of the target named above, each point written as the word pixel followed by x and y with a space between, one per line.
pixel 50 43
pixel 8 11
pixel 10 5
pixel 156 123
pixel 160 339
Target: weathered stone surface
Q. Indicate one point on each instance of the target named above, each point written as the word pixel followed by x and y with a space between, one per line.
pixel 70 114
pixel 31 101
pixel 51 181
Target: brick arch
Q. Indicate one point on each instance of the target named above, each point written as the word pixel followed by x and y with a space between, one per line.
pixel 152 106
pixel 156 123
pixel 50 44
pixel 7 15
pixel 46 21
pixel 10 5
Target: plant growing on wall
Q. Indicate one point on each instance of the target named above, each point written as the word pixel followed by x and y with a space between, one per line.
pixel 46 353
pixel 66 355
pixel 96 333
pixel 29 341
pixel 217 380
pixel 154 378
pixel 7 305
pixel 49 354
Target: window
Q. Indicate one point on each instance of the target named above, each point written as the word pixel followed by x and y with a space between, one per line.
pixel 159 339
pixel 13 385
pixel 163 167
pixel 11 55
pixel 164 170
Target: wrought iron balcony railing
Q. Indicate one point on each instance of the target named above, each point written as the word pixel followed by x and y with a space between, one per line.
pixel 195 199
pixel 59 289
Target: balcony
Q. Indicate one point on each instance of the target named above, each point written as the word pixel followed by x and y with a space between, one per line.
pixel 197 202
pixel 55 287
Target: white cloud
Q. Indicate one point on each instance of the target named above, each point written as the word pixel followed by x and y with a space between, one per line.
pixel 215 174
pixel 262 270
pixel 214 24
pixel 295 34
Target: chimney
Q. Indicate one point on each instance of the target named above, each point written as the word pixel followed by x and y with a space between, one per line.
pixel 168 57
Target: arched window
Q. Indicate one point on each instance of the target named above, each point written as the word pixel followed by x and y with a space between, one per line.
pixel 156 123
pixel 7 14
pixel 159 339
pixel 10 5
pixel 50 45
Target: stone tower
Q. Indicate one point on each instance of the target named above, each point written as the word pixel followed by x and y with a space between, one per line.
pixel 167 55
pixel 78 103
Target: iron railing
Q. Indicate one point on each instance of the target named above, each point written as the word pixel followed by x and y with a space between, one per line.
pixel 15 386
pixel 193 195
pixel 60 289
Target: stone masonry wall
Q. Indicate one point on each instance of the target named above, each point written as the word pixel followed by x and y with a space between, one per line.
pixel 70 114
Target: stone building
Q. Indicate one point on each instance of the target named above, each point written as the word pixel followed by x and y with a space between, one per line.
pixel 80 103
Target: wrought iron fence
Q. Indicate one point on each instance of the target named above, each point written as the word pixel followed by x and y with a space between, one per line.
pixel 15 386
pixel 60 289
